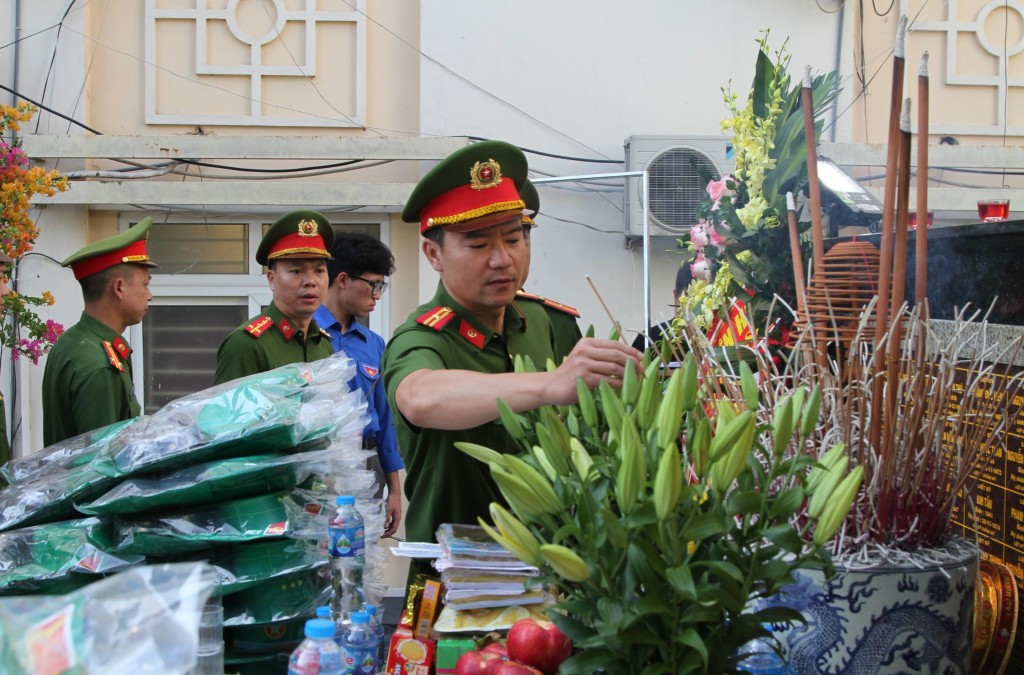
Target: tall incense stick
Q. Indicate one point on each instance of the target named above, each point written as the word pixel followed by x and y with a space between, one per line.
pixel 888 210
pixel 813 188
pixel 921 237
pixel 798 262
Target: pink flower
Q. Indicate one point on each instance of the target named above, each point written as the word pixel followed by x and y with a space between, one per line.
pixel 701 268
pixel 699 235
pixel 719 188
pixel 716 240
pixel 53 330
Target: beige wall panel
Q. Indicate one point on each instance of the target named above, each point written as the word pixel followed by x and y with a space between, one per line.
pixel 976 70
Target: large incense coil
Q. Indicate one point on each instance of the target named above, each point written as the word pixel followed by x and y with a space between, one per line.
pixel 843 285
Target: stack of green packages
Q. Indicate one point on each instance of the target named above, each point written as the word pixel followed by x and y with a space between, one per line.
pixel 238 475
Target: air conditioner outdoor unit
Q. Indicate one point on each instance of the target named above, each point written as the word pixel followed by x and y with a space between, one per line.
pixel 674 186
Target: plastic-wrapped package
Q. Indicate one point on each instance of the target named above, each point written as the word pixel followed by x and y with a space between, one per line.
pixel 273 411
pixel 210 482
pixel 280 598
pixel 50 495
pixel 58 557
pixel 142 621
pixel 68 454
pixel 246 565
pixel 240 421
pixel 200 528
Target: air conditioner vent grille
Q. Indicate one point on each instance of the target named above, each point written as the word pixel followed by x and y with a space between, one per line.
pixel 675 186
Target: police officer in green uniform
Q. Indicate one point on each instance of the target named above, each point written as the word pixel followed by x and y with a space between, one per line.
pixel 87 382
pixel 295 250
pixel 563 317
pixel 447 365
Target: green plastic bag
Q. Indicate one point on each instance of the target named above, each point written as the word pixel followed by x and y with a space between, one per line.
pixel 200 528
pixel 280 598
pixel 68 454
pixel 50 495
pixel 265 412
pixel 207 483
pixel 58 557
pixel 244 566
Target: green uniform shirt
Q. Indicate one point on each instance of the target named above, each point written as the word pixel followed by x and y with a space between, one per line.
pixel 443 484
pixel 567 332
pixel 87 383
pixel 563 322
pixel 266 342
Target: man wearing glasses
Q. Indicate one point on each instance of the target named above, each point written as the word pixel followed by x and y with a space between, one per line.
pixel 357 280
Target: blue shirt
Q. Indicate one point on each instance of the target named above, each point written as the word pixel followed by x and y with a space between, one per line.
pixel 366 349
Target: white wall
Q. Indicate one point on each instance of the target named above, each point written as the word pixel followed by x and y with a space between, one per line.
pixel 62 229
pixel 577 77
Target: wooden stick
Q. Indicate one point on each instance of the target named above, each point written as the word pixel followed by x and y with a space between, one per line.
pixel 615 322
pixel 899 272
pixel 885 244
pixel 813 188
pixel 798 261
pixel 921 236
pixel 892 448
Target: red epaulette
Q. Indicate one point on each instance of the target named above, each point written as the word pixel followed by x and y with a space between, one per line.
pixel 436 318
pixel 121 347
pixel 259 326
pixel 571 311
pixel 115 362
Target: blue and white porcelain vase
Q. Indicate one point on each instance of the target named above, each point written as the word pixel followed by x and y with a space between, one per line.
pixel 911 614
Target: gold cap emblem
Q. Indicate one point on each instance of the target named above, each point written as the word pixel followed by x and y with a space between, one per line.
pixel 485 175
pixel 307 228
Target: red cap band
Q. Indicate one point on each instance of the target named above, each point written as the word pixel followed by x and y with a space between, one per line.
pixel 467 202
pixel 295 245
pixel 132 253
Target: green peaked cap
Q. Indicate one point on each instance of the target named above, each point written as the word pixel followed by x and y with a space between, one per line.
pixel 531 198
pixel 474 181
pixel 299 234
pixel 127 247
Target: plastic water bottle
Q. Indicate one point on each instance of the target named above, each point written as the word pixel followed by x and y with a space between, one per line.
pixel 347 549
pixel 318 654
pixel 359 646
pixel 377 627
pixel 762 658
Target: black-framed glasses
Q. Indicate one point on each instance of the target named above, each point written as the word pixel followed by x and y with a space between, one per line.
pixel 378 286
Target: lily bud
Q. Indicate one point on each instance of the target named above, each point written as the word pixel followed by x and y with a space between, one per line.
pixel 838 507
pixel 565 562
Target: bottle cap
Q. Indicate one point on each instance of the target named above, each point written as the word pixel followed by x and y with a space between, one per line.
pixel 345 500
pixel 323 612
pixel 360 617
pixel 320 628
pixel 370 609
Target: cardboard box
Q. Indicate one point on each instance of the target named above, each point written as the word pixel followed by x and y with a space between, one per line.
pixel 448 652
pixel 429 607
pixel 409 655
